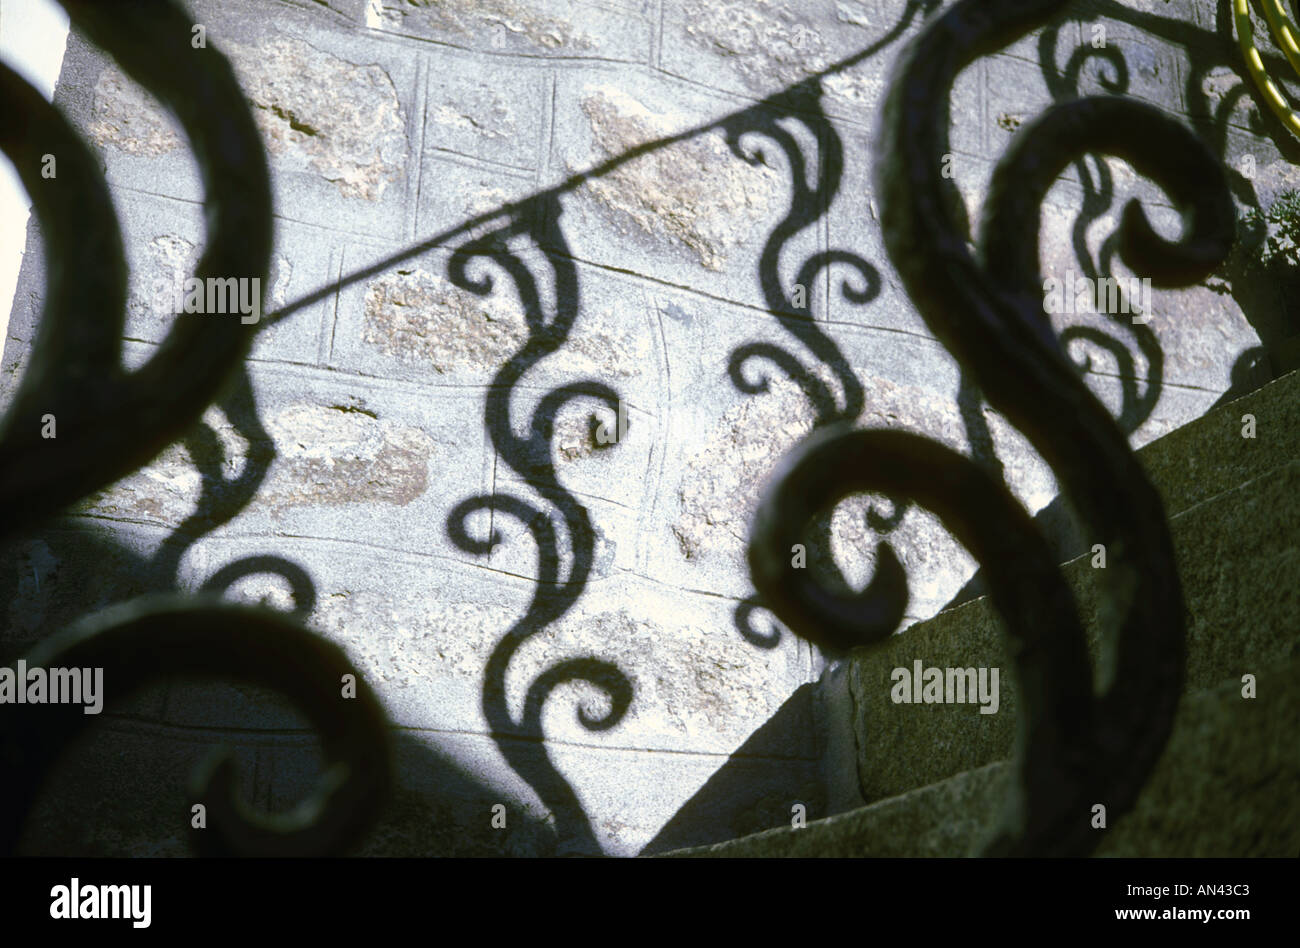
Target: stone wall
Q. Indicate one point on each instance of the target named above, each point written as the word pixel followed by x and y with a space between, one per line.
pixel 370 420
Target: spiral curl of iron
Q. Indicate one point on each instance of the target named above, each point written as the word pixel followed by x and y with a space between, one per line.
pixel 111 422
pixel 142 641
pixel 1075 748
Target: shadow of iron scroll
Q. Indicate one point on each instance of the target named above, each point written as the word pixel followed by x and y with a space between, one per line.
pixel 110 422
pixel 1075 748
pixel 536 229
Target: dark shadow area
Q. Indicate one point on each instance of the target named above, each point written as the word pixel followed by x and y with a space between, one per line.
pixel 560 581
pixel 735 801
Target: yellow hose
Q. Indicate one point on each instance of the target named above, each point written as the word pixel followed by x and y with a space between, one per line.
pixel 1287 36
pixel 1284 30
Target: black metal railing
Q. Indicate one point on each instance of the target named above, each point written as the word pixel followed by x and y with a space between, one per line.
pixel 108 423
pixel 1076 748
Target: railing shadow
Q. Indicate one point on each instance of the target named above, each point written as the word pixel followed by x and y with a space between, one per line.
pixel 509 238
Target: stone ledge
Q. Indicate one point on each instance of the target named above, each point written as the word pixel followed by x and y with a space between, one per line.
pixel 1209 456
pixel 1236 557
pixel 1225 787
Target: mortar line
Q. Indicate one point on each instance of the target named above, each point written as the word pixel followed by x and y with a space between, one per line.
pixel 422 74
pixel 657 39
pixel 334 320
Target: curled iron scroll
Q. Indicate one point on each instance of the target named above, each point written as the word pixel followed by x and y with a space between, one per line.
pixel 111 422
pixel 141 641
pixel 1075 748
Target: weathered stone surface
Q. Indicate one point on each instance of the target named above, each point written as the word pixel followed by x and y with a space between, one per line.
pixel 423 651
pixel 709 426
pixel 417 315
pixel 455 191
pixel 155 286
pixel 12 370
pixel 1226 92
pixel 1272 177
pixel 561 28
pixel 1224 787
pixel 695 194
pixel 1063 30
pixel 697 683
pixel 1226 784
pixel 324 455
pixel 371 465
pixel 769 44
pixel 335 455
pixel 1209 456
pixel 129 118
pixel 497 118
pixel 342 120
pixel 413 322
pixel 1190 337
pixel 337 112
pixel 1015 93
pixel 421 317
pixel 164 241
pixel 613 527
pixel 760 48
pixel 421 631
pixel 853 224
pixel 720 486
pixel 349 10
pixel 1153 65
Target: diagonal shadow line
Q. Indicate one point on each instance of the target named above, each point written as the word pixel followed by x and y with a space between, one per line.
pixel 788 99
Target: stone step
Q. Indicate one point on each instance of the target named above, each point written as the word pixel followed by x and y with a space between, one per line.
pixel 1240 568
pixel 1227 785
pixel 1211 479
pixel 1192 464
pixel 1208 456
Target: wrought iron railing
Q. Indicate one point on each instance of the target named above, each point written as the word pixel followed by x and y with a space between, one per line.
pixel 1076 747
pixel 110 423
